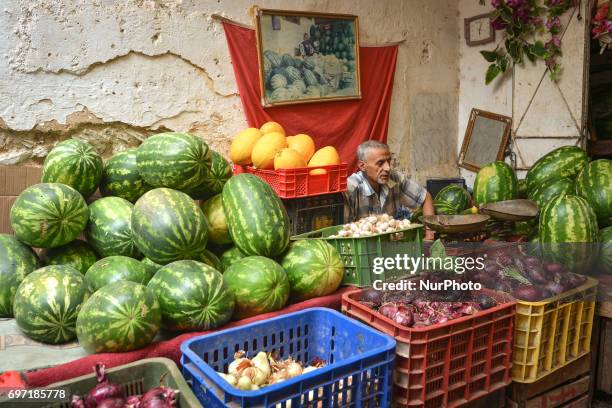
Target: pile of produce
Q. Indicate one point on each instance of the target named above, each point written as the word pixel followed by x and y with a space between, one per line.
pixel 110 395
pixel 264 369
pixel 268 148
pixel 153 257
pixel 372 225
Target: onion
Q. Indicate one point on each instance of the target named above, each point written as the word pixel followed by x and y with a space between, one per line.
pixel 529 293
pixel 77 402
pixel 158 397
pixel 504 260
pixel 554 287
pixel 388 310
pixel 112 403
pixel 532 262
pixel 103 390
pixel 536 274
pixel 372 295
pixel 554 267
pixel 133 401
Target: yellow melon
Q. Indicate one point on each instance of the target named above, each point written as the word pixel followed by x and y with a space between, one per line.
pixel 265 149
pixel 325 156
pixel 270 127
pixel 242 146
pixel 303 144
pixel 288 158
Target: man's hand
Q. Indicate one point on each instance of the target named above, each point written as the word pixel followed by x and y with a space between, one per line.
pixel 428 209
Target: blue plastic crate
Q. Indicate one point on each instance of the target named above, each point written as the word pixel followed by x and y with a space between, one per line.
pixel 358 371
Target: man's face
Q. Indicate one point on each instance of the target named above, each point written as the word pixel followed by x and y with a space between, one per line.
pixel 377 165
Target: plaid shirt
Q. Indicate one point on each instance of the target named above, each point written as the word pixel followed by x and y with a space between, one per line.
pixel 400 197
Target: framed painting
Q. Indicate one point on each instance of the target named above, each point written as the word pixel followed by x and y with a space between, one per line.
pixel 307 56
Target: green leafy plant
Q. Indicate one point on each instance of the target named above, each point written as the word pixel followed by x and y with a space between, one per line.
pixel 522 22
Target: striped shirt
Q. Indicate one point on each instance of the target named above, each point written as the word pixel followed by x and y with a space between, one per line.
pixel 400 197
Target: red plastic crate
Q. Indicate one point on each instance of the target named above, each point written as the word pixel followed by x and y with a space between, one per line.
pixel 450 364
pixel 293 183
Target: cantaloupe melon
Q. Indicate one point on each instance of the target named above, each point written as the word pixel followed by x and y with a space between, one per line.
pixel 270 127
pixel 242 146
pixel 303 144
pixel 288 158
pixel 265 149
pixel 325 156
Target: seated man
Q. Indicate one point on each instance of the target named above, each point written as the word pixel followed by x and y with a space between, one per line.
pixel 377 189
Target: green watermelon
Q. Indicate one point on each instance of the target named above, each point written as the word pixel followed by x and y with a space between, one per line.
pixel 167 225
pixel 314 269
pixel 273 57
pixel 218 231
pixel 49 215
pixel 114 269
pixel 109 230
pixel 214 180
pixel 47 303
pixel 152 267
pixel 495 182
pixel 17 261
pixel 416 215
pixel 259 284
pixel 455 196
pixel 605 254
pixel 230 256
pixel 74 163
pixel 210 259
pixel 192 296
pixel 541 195
pixel 77 254
pixel 595 184
pixel 120 317
pixel 521 189
pixel 444 208
pixel 566 161
pixel 257 219
pixel 121 177
pixel 173 160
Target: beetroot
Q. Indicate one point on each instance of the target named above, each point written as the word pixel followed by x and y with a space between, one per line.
pixel 529 293
pixel 103 390
pixel 111 403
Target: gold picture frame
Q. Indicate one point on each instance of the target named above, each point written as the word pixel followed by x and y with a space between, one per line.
pixel 315 59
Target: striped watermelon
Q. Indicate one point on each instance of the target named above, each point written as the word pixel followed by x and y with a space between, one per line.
pixel 218 231
pixel 214 180
pixel 521 189
pixel 122 316
pixel 293 74
pixel 152 267
pixel 114 269
pixel 495 182
pixel 259 284
pixel 121 177
pixel 287 60
pixel 230 256
pixel 18 261
pixel 174 160
pixel 566 161
pixel 455 196
pixel 444 208
pixel 74 163
pixel 192 296
pixel 310 78
pixel 541 195
pixel 77 254
pixel 605 254
pixel 314 268
pixel 167 225
pixel 49 215
pixel 278 81
pixel 257 219
pixel 47 303
pixel 210 259
pixel 273 57
pixel 109 229
pixel 595 184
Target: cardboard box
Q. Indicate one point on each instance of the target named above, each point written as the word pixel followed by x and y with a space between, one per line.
pixel 13 180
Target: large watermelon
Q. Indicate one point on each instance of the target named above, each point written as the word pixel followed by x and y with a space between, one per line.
pixel 314 268
pixel 192 296
pixel 122 316
pixel 49 215
pixel 114 269
pixel 174 160
pixel 521 189
pixel 214 180
pixel 121 177
pixel 75 163
pixel 48 301
pixel 605 254
pixel 167 225
pixel 257 219
pixel 152 267
pixel 218 231
pixel 541 195
pixel 595 184
pixel 77 254
pixel 16 261
pixel 230 256
pixel 566 161
pixel 455 196
pixel 109 230
pixel 444 208
pixel 259 284
pixel 495 182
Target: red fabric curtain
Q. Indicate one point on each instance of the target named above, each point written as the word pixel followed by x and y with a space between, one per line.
pixel 342 124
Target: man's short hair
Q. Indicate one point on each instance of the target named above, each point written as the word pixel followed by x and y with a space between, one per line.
pixel 370 144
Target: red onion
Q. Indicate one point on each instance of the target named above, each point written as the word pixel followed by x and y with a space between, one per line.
pixel 388 310
pixel 103 390
pixel 554 267
pixel 112 403
pixel 372 295
pixel 529 293
pixel 133 401
pixel 404 318
pixel 159 397
pixel 77 402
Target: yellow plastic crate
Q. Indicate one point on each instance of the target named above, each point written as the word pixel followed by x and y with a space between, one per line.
pixel 552 333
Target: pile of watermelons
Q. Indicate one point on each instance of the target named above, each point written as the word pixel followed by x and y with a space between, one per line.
pixel 152 257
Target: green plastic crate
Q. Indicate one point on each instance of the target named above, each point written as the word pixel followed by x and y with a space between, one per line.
pixel 136 378
pixel 358 254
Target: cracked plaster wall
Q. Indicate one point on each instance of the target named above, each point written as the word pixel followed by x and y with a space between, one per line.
pixel 114 72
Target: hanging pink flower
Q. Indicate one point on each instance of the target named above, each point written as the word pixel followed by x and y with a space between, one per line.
pixel 553 23
pixel 514 3
pixel 498 24
pixel 496 3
